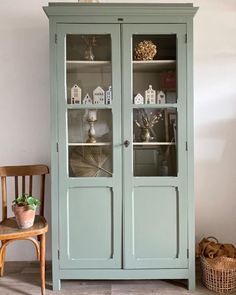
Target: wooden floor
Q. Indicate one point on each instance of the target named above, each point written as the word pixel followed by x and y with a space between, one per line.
pixel 23 279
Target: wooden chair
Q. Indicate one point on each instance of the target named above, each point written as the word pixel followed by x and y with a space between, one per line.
pixel 9 230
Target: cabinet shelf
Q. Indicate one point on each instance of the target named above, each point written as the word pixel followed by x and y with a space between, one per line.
pixel 152 143
pixel 156 106
pixel 85 66
pixel 89 144
pixel 153 65
pixel 88 106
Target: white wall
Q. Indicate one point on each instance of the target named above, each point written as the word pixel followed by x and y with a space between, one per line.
pixel 24 107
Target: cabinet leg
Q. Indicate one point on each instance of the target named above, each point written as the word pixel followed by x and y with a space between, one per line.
pixel 56 284
pixel 191 284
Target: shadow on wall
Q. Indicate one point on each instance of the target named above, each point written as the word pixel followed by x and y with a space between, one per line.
pixel 215 168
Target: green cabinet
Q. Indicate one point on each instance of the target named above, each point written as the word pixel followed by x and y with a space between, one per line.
pixel 122 141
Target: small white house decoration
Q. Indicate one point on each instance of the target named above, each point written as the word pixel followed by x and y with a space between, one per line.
pixel 87 99
pixel 161 97
pixel 150 95
pixel 98 95
pixel 108 95
pixel 75 94
pixel 138 99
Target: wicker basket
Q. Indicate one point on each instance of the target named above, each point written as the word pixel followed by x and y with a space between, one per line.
pixel 219 274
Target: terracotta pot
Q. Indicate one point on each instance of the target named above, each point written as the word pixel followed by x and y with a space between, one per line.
pixel 24 216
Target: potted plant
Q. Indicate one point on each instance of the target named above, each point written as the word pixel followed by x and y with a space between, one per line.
pixel 24 208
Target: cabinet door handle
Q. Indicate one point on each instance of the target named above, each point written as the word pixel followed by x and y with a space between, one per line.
pixel 126 143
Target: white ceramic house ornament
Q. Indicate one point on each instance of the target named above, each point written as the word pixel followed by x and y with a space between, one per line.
pixel 75 94
pixel 87 99
pixel 150 95
pixel 138 99
pixel 108 95
pixel 161 97
pixel 98 95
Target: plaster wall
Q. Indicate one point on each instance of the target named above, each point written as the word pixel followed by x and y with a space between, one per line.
pixel 25 121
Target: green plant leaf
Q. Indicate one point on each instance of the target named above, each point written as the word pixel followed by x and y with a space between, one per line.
pixel 26 200
pixel 32 207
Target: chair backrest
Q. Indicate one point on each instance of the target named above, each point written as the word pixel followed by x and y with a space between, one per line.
pixel 23 172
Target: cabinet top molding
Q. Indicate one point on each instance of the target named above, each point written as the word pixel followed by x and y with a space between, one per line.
pixel 116 9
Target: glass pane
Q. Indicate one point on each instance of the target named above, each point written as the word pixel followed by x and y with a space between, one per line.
pixel 88 69
pixel 89 82
pixel 154 142
pixel 90 142
pixel 154 69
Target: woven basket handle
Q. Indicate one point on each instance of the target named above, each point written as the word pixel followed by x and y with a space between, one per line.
pixel 213 238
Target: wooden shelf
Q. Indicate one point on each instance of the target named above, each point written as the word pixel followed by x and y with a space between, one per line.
pixel 84 66
pixel 89 144
pixel 153 65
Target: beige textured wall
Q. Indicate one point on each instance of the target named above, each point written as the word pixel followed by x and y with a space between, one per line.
pixel 24 106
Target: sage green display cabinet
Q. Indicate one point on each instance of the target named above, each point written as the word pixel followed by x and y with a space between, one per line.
pixel 122 141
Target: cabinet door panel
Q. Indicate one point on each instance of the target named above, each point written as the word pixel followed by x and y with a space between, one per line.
pixel 154 118
pixel 89 87
pixel 92 237
pixel 155 217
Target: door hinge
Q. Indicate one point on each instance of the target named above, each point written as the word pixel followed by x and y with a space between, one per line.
pixel 186 145
pixel 58 254
pixel 57 147
pixel 56 38
pixel 186 38
pixel 187 253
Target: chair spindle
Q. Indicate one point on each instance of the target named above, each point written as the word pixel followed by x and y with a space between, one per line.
pixel 42 188
pixel 23 185
pixel 4 197
pixel 30 185
pixel 16 187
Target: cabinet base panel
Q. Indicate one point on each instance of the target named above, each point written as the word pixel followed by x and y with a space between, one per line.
pixel 113 274
pixel 123 274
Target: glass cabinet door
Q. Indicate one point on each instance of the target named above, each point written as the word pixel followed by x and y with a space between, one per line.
pixel 154 104
pixel 154 70
pixel 89 85
pixel 89 145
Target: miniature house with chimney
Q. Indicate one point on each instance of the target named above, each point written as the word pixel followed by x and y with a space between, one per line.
pixel 150 95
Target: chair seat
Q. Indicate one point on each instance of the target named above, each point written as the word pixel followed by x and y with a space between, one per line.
pixel 10 230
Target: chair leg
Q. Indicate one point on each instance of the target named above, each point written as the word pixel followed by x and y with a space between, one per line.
pixel 42 261
pixel 2 259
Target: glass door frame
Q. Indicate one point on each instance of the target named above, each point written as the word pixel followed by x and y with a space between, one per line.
pixel 129 181
pixel 67 183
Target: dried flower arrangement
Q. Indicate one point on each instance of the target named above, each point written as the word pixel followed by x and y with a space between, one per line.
pixel 147 122
pixel 145 50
